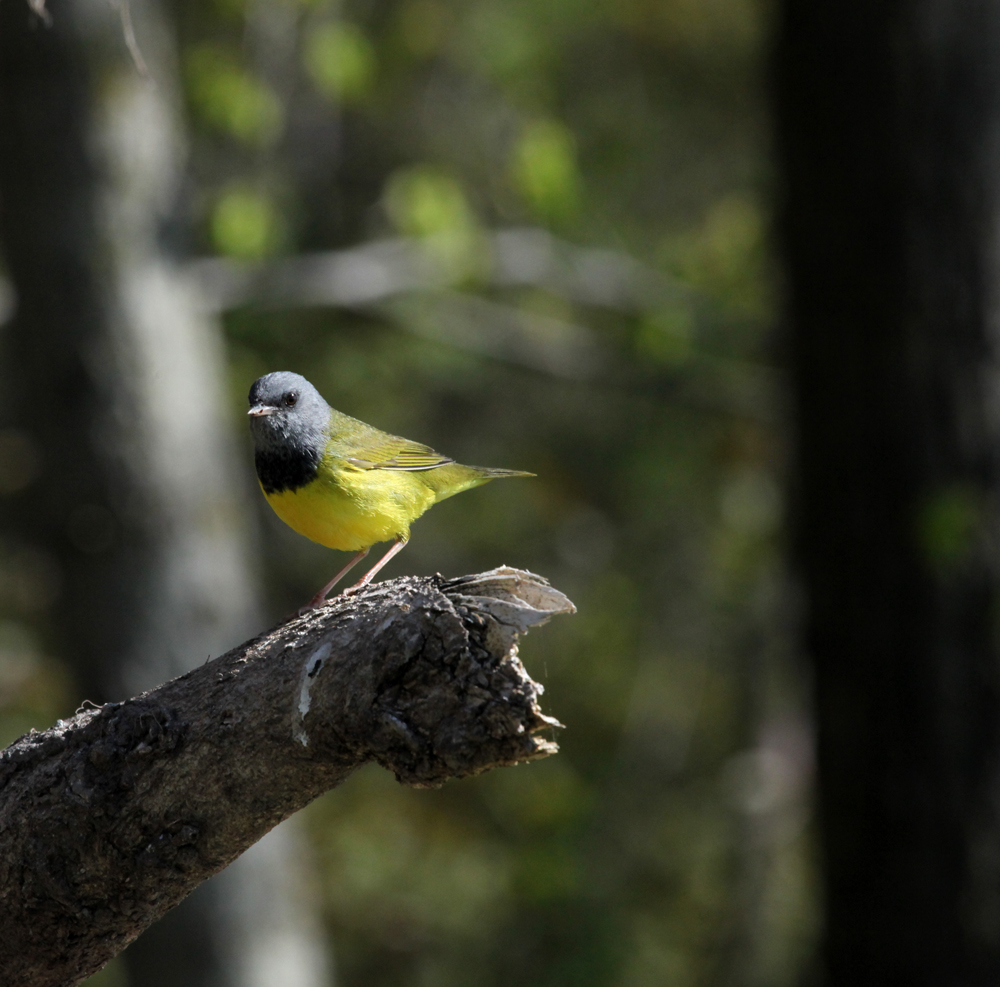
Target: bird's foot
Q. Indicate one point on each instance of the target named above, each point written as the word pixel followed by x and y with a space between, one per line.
pixel 319 600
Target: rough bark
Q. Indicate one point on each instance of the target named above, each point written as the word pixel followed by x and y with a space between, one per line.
pixel 888 122
pixel 111 818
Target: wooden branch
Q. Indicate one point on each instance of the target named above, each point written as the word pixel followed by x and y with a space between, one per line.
pixel 109 819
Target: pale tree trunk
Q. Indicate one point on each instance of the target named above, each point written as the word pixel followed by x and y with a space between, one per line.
pixel 118 381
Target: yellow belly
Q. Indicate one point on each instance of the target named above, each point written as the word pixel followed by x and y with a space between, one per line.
pixel 354 509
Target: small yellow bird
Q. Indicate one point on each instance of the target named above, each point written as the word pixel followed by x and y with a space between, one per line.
pixel 341 482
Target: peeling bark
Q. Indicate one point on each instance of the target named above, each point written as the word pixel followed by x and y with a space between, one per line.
pixel 111 818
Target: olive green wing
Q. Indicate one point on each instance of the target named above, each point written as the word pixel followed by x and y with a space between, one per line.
pixel 361 447
pixel 390 452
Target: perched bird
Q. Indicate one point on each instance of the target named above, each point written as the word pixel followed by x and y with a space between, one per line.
pixel 341 482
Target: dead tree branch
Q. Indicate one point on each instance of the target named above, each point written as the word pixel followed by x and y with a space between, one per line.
pixel 109 819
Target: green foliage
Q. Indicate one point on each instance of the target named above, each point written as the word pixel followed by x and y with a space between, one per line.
pixel 113 975
pixel 422 27
pixel 950 524
pixel 340 60
pixel 430 204
pixel 545 172
pixel 229 98
pixel 666 335
pixel 245 224
pixel 424 201
pixel 724 257
pixel 34 689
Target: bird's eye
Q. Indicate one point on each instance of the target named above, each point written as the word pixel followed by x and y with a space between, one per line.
pixel 290 398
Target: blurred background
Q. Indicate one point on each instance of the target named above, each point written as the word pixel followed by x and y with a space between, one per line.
pixel 532 234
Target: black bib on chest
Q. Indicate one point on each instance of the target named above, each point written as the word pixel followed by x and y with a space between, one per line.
pixel 286 470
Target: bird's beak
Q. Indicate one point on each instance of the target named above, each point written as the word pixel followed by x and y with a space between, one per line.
pixel 260 410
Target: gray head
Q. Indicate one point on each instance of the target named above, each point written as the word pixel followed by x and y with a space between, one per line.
pixel 287 414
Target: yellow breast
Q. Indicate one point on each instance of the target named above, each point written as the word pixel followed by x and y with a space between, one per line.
pixel 350 509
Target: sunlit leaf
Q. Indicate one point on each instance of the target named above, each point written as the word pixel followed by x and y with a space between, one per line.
pixel 231 99
pixel 245 224
pixel 428 203
pixel 666 335
pixel 422 201
pixel 340 60
pixel 544 170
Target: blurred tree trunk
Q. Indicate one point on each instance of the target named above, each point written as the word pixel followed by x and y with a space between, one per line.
pixel 115 382
pixel 888 119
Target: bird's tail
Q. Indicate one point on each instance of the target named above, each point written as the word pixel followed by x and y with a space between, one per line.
pixel 446 481
pixel 489 473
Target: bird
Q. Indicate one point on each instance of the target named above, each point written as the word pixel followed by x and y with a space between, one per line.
pixel 342 483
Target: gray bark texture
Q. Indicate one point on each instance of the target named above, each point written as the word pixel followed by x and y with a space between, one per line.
pixel 111 818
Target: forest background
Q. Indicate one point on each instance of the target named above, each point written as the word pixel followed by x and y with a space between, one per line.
pixel 533 235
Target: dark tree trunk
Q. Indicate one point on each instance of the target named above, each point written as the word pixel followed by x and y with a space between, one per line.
pixel 887 120
pixel 58 384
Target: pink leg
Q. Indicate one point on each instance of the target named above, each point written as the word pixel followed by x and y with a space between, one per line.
pixel 397 547
pixel 321 595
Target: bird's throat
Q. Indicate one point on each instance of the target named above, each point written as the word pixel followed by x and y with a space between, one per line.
pixel 286 470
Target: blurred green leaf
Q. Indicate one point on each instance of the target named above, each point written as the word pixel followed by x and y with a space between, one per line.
pixel 548 872
pixel 34 689
pixel 422 26
pixel 230 10
pixel 229 98
pixel 428 203
pixel 423 201
pixel 340 60
pixel 245 224
pixel 666 335
pixel 725 257
pixel 950 522
pixel 538 798
pixel 502 40
pixel 113 975
pixel 544 170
